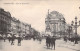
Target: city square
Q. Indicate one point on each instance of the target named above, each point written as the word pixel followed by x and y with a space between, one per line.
pixel 40 25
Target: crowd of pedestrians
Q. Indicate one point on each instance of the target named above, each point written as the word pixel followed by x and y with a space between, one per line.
pixel 12 38
pixel 50 41
pixel 72 39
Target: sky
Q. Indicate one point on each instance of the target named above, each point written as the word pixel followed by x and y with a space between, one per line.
pixel 34 12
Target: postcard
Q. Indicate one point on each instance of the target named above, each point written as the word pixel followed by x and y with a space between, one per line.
pixel 39 25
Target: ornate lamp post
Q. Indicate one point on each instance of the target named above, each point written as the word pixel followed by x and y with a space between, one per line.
pixel 75 25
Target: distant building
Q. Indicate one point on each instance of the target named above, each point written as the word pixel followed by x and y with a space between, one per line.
pixel 11 25
pixel 69 31
pixel 15 26
pixel 34 32
pixel 22 25
pixel 27 29
pixel 19 28
pixel 5 22
pixel 55 23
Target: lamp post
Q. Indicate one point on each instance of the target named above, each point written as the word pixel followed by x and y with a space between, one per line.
pixel 75 25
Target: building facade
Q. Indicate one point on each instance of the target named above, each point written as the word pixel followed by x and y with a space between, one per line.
pixel 69 31
pixel 10 25
pixel 27 29
pixel 34 33
pixel 5 22
pixel 15 26
pixel 19 28
pixel 55 24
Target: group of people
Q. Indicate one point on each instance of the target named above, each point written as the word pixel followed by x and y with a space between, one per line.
pixel 50 41
pixel 72 39
pixel 12 39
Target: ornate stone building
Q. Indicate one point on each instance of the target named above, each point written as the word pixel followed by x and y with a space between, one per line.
pixel 5 21
pixel 10 25
pixel 55 23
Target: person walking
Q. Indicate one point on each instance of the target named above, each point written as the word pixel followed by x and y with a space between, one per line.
pixel 40 39
pixel 19 41
pixel 9 38
pixel 4 39
pixel 65 38
pixel 48 41
pixel 12 40
pixel 53 39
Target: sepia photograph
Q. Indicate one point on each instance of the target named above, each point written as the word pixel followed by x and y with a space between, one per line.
pixel 39 25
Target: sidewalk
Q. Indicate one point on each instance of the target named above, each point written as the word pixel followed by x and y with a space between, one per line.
pixel 69 45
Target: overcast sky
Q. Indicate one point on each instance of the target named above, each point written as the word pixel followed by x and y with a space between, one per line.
pixel 34 11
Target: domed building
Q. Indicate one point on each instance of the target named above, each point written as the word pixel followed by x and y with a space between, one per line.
pixel 55 24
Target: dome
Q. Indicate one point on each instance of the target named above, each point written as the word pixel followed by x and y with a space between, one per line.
pixel 55 15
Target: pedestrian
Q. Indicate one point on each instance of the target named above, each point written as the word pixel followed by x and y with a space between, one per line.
pixel 76 40
pixel 12 40
pixel 40 39
pixel 19 41
pixel 34 38
pixel 4 39
pixel 9 38
pixel 48 41
pixel 65 39
pixel 53 39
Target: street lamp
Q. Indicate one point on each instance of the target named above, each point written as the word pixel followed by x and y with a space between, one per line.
pixel 75 25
